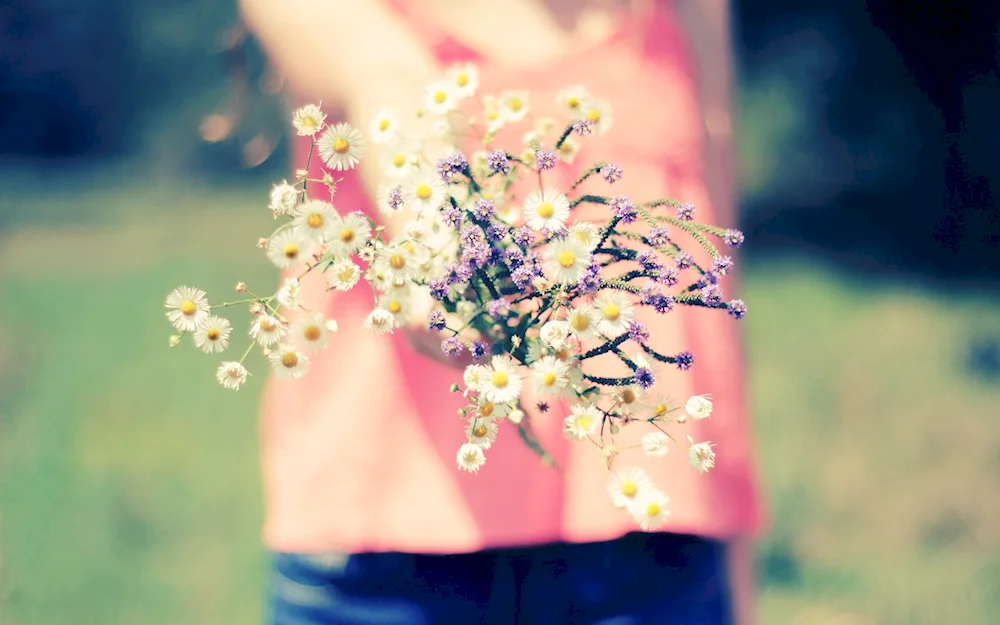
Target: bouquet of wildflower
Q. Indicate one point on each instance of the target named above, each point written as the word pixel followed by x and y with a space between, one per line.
pixel 542 303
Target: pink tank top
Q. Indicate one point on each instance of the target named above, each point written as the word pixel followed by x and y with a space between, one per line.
pixel 359 455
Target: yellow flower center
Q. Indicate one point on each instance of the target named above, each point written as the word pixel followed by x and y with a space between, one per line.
pixel 234 372
pixel 629 488
pixel 347 235
pixel 579 322
pixel 346 274
pixel 470 457
pixel 546 210
pixel 612 311
pixel 566 258
pixel 566 148
pixel 309 122
pixel 573 102
pixel 480 430
pixel 660 410
pixel 289 359
pixel 562 355
pixel 585 422
pixel 188 308
pixel 486 409
pixel 493 116
pixel 549 379
pixel 315 220
pixel 628 396
pixel 291 251
pixel 340 145
pixel 423 191
pixel 652 509
pixel 499 379
pixel 312 333
pixel 462 79
pixel 267 324
pixel 440 97
pixel 383 124
pixel 515 104
pixel 213 334
pixel 394 307
pixel 397 262
pixel 594 115
pixel 398 159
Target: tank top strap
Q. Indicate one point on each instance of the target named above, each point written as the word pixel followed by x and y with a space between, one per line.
pixel 446 48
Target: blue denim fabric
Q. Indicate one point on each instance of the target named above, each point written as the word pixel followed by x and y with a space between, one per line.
pixel 636 580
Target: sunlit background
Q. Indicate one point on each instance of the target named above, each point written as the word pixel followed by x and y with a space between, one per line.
pixel 138 142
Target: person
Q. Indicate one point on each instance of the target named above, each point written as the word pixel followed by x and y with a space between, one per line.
pixel 368 517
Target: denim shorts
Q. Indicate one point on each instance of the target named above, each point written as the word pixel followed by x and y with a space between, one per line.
pixel 637 579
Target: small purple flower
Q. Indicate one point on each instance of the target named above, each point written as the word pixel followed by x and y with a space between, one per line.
pixel 722 265
pixel 483 209
pixel 444 169
pixel 685 212
pixel 733 238
pixel 435 321
pixel 711 294
pixel 583 127
pixel 452 346
pixel 498 308
pixel 454 163
pixel 464 272
pixel 658 236
pixel 543 406
pixel 452 216
pixel 736 309
pixel 545 159
pixel 496 257
pixel 523 276
pixel 638 332
pixel 664 304
pixel 648 295
pixel 476 254
pixel 644 377
pixel 668 276
pixel 515 257
pixel 470 235
pixel 589 282
pixel 648 260
pixel 395 199
pixel 496 232
pixel 439 290
pixel 497 161
pixel 684 360
pixel 524 236
pixel 624 209
pixel 612 173
pixel 479 349
pixel 683 260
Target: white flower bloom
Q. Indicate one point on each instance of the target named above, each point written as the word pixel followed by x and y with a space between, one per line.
pixel 545 125
pixel 398 162
pixel 343 275
pixel 547 209
pixel 415 230
pixel 288 248
pixel 493 113
pixel 616 313
pixel 586 234
pixel 699 406
pixel 516 416
pixel 650 509
pixel 397 303
pixel 554 334
pixel 503 384
pixel 464 79
pixel 310 332
pixel 288 362
pixel 474 377
pixel 424 191
pixel 308 120
pixel 599 112
pixel 583 321
pixel 582 421
pixel 384 197
pixel 702 456
pixel 290 293
pixel 486 409
pixel 383 127
pixel 659 406
pixel 341 147
pixel 440 97
pixel 514 105
pixel 212 335
pixel 568 150
pixel 188 308
pixel 626 485
pixel 466 309
pixel 655 444
pixel 380 321
pixel 232 375
pixel 629 398
pixel 572 99
pixel 331 325
pixel 314 218
pixel 566 260
pixel 470 457
pixel 550 375
pixel 283 199
pixel 531 135
pixel 266 330
pixel 482 432
pixel 349 234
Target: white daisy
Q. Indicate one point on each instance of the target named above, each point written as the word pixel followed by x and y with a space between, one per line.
pixel 493 113
pixel 470 457
pixel 266 330
pixel 599 112
pixel 397 261
pixel 586 234
pixel 288 362
pixel 616 313
pixel 314 218
pixel 503 384
pixel 650 509
pixel 212 335
pixel 514 105
pixel 380 321
pixel 583 320
pixel 548 209
pixel 464 79
pixel 288 248
pixel 310 332
pixel 349 234
pixel 551 376
pixel 545 125
pixel 283 199
pixel 582 421
pixel 629 398
pixel 398 162
pixel 626 484
pixel 188 308
pixel 566 261
pixel 397 303
pixel 701 456
pixel 424 191
pixel 568 150
pixel 659 406
pixel 699 406
pixel 486 409
pixel 232 375
pixel 290 293
pixel 308 120
pixel 383 126
pixel 554 334
pixel 440 97
pixel 343 275
pixel 482 432
pixel 415 230
pixel 572 99
pixel 474 377
pixel 341 147
pixel 655 444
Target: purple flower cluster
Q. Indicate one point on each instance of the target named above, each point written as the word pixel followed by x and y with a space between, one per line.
pixel 684 360
pixel 395 199
pixel 733 238
pixel 497 161
pixel 683 260
pixel 483 210
pixel 652 296
pixel 498 308
pixel 722 265
pixel 736 309
pixel 479 350
pixel 524 237
pixel 515 257
pixel 657 236
pixel 454 163
pixel 647 259
pixel 685 212
pixel 612 173
pixel 583 127
pixel 475 250
pixel 496 233
pixel 644 377
pixel 638 332
pixel 452 346
pixel 668 276
pixel 711 294
pixel 523 275
pixel 435 321
pixel 451 215
pixel 624 209
pixel 590 281
pixel 439 290
pixel 545 159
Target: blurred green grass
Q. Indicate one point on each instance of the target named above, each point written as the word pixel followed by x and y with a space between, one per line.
pixel 128 478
